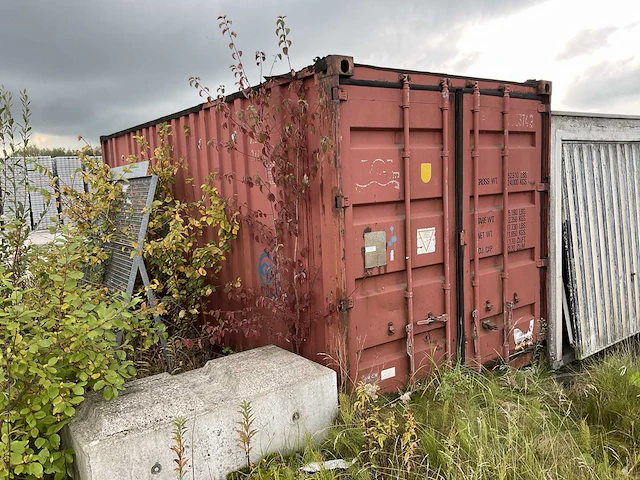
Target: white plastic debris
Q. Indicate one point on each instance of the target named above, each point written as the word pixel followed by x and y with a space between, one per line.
pixel 328 465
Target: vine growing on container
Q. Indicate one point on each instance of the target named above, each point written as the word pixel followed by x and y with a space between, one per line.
pixel 280 125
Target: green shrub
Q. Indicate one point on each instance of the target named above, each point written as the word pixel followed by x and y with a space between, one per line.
pixel 182 266
pixel 57 341
pixel 57 329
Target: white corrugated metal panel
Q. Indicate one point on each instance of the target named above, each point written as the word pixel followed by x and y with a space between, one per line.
pixel 23 183
pixel 601 205
pixel 595 233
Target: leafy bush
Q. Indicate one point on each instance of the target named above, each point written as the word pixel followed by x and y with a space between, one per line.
pixel 57 341
pixel 182 267
pixel 57 329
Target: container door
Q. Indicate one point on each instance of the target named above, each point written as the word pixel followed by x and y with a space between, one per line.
pixel 373 179
pixel 501 223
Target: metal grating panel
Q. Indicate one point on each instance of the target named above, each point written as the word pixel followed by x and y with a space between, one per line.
pixel 601 212
pixel 131 221
pixel 69 173
pixel 119 267
pixel 43 210
pixel 138 169
pixel 39 211
pixel 15 194
pixel 131 226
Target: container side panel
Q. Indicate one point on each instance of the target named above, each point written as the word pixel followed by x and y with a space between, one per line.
pixel 198 137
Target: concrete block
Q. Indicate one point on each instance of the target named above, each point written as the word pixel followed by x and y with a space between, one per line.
pixel 293 399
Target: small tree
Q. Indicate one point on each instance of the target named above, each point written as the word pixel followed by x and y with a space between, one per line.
pixel 14 224
pixel 282 123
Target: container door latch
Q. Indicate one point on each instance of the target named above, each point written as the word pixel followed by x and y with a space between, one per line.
pixel 345 304
pixel 341 201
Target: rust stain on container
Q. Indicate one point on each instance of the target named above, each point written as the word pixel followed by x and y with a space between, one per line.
pixel 426 223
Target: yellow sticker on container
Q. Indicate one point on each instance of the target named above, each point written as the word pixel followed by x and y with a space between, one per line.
pixel 425 172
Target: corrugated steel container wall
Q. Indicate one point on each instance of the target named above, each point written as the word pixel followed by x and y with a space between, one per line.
pixel 247 260
pixel 596 218
pixel 474 289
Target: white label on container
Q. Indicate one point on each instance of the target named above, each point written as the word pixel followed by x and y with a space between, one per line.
pixel 426 240
pixel 388 373
pixel 392 255
pixel 370 249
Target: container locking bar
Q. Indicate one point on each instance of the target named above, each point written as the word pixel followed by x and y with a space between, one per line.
pixel 431 318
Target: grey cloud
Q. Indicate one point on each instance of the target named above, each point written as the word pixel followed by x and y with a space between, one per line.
pixel 605 85
pixel 586 41
pixel 94 67
pixel 463 63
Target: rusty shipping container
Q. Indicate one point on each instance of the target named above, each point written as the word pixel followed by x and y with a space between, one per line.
pixel 428 220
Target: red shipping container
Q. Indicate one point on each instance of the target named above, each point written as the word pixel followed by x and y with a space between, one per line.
pixel 427 225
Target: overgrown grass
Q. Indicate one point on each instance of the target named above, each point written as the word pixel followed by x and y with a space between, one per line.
pixel 503 424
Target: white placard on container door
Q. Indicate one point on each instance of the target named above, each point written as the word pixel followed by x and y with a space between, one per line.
pixel 426 240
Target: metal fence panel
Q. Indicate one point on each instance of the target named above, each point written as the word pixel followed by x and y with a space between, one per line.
pixel 131 227
pixel 44 213
pixel 29 183
pixel 69 173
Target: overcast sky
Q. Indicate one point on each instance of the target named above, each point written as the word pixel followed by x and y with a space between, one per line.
pixel 93 67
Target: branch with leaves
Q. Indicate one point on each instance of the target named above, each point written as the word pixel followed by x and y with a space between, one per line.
pixel 281 122
pixel 245 430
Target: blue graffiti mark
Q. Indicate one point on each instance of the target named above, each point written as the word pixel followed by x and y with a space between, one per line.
pixel 390 243
pixel 394 239
pixel 265 265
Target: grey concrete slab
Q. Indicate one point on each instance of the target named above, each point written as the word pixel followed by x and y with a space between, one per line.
pixel 293 399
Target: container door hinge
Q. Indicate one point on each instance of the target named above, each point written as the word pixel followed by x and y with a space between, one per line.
pixel 544 108
pixel 463 238
pixel 338 93
pixel 345 304
pixel 542 187
pixel 342 202
pixel 542 263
